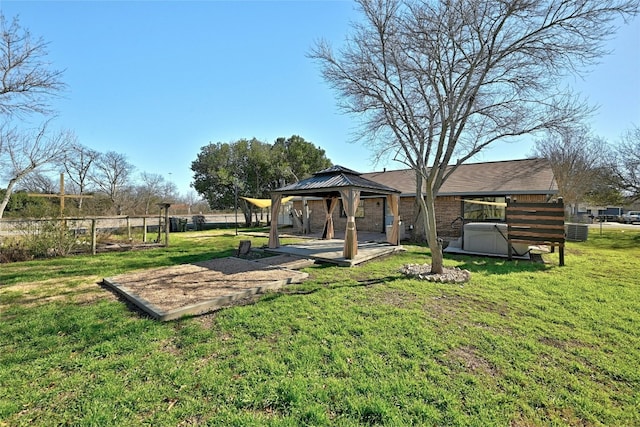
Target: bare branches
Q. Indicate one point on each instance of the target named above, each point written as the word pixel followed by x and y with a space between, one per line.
pixel 576 157
pixel 627 164
pixel 78 163
pixel 24 152
pixel 112 174
pixel 27 81
pixel 431 71
pixel 27 84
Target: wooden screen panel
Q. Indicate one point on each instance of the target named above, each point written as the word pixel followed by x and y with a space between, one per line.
pixel 536 223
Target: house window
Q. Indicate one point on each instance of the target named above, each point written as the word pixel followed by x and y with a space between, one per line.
pixel 359 210
pixel 484 209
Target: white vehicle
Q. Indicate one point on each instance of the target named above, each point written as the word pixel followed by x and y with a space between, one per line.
pixel 630 217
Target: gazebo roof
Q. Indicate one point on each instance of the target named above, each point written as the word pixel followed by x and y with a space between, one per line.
pixel 329 182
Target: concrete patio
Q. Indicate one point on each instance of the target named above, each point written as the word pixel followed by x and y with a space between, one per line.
pixel 370 246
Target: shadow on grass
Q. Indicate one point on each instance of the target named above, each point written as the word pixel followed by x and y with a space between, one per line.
pixel 309 289
pixel 497 265
pixel 296 290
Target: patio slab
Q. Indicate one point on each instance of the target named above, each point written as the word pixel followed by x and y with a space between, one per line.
pixel 169 293
pixel 331 251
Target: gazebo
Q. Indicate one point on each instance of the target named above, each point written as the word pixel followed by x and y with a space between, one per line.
pixel 331 184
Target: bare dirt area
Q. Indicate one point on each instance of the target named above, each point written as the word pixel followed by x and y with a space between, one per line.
pixel 170 292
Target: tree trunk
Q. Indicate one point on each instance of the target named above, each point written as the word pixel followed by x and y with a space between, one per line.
pixel 297 219
pixel 418 234
pixel 7 196
pixel 5 202
pixel 435 244
pixel 246 211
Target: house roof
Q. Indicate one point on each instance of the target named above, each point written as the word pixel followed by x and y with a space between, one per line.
pixel 512 177
pixel 329 182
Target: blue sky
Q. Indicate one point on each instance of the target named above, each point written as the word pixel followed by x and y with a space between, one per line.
pixel 157 80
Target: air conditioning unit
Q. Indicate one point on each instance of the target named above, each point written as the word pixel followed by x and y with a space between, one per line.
pixel 576 232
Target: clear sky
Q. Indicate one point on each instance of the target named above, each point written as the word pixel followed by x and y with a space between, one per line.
pixel 157 80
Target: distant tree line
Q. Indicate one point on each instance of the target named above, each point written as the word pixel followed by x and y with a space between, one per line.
pixel 101 184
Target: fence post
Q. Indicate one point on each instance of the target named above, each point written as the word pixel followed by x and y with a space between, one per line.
pixel 166 226
pixel 128 228
pixel 164 206
pixel 93 236
pixel 144 230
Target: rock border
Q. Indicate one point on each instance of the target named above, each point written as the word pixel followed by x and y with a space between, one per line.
pixel 423 272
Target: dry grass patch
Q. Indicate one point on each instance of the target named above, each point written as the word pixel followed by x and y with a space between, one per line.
pixel 33 294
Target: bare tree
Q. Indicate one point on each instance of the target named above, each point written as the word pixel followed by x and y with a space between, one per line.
pixel 112 176
pixel 576 157
pixel 169 192
pixel 627 164
pixel 151 190
pixel 78 163
pixel 195 203
pixel 24 152
pixel 435 82
pixel 38 182
pixel 27 82
pixel 191 199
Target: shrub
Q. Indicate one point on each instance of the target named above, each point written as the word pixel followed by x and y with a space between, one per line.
pixel 46 238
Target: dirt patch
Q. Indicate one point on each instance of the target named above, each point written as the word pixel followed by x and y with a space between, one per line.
pixel 394 298
pixel 471 360
pixel 170 292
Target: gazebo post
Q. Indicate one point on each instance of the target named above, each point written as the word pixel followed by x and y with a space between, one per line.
pixel 350 200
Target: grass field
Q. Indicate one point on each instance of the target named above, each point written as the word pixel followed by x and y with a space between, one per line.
pixel 521 344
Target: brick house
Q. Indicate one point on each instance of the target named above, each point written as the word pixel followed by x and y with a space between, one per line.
pixel 463 195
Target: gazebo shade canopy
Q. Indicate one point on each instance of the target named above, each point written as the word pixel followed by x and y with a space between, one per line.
pixel 329 182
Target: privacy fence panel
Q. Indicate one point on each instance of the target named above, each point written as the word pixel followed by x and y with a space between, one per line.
pixel 536 223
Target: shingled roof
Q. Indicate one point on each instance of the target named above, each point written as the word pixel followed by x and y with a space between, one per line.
pixel 512 177
pixel 329 182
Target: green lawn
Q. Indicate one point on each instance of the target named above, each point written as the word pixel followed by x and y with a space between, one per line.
pixel 521 344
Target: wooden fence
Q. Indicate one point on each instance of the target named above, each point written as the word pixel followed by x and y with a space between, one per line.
pixel 536 223
pixel 93 225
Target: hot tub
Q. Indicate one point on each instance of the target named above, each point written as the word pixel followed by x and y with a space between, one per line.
pixel 490 238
